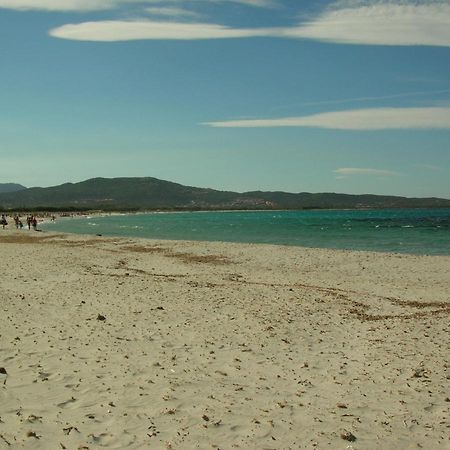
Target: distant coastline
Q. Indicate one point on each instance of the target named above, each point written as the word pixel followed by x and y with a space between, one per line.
pixel 151 194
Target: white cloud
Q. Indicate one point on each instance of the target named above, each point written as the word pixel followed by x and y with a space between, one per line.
pixel 380 23
pixel 347 171
pixel 357 119
pixel 119 30
pixel 58 5
pixel 96 5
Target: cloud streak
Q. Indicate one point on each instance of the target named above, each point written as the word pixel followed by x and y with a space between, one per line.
pixel 380 23
pixel 357 119
pixel 432 167
pixel 98 5
pixel 172 12
pixel 58 5
pixel 367 99
pixel 115 30
pixel 347 171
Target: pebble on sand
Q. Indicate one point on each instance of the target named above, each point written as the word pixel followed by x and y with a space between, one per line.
pixel 348 436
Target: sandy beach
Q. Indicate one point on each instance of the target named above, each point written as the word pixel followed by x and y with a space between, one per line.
pixel 136 344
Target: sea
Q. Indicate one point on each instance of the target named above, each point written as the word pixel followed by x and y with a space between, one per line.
pixel 413 231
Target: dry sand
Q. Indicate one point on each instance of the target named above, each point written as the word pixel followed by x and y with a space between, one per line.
pixel 119 343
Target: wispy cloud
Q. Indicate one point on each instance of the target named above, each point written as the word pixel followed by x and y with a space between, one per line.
pixel 58 5
pixel 380 23
pixel 173 12
pixel 370 99
pixel 122 30
pixel 356 119
pixel 368 23
pixel 347 171
pixel 97 5
pixel 431 167
pixel 257 3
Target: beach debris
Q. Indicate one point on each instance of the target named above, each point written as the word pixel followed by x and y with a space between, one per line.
pixel 205 418
pixel 342 405
pixel 67 430
pixel 3 374
pixel 97 438
pixel 32 418
pixel 101 317
pixel 348 436
pixel 419 372
pixel 152 431
pixel 33 434
pixel 66 403
pixel 5 440
pixel 44 376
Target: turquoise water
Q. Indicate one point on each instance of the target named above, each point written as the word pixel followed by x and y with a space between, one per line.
pixel 418 231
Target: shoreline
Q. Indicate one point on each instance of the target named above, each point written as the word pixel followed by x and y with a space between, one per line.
pixel 119 342
pixel 379 238
pixel 46 220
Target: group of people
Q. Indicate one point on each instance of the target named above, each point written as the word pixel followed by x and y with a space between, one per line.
pixel 31 221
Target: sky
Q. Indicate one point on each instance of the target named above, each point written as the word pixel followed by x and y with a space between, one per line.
pixel 348 96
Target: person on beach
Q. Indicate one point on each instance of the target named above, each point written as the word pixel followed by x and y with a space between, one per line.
pixel 29 222
pixel 16 221
pixel 34 223
pixel 3 221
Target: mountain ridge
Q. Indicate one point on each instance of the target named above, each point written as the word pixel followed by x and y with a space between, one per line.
pixel 11 187
pixel 145 193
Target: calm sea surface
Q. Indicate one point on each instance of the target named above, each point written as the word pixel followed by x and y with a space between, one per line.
pixel 418 231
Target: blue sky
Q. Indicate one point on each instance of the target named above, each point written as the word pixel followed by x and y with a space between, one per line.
pixel 322 96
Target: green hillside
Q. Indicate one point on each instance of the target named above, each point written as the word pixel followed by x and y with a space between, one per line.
pixel 152 193
pixel 11 187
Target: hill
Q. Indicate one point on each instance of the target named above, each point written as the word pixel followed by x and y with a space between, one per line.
pixel 11 187
pixel 152 193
